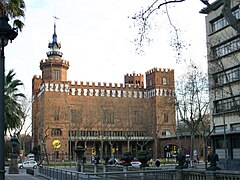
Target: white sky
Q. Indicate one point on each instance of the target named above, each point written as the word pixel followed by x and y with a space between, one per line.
pixel 96 39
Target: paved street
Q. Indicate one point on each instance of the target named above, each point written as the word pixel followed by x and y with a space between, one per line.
pixel 22 175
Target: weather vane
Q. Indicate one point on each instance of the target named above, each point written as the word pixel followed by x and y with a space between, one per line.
pixel 55 17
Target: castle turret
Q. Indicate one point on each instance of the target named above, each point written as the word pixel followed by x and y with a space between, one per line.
pixel 55 67
pixel 134 79
pixel 160 78
pixel 160 88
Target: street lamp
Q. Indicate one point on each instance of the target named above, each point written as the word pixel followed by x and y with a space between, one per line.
pixel 6 33
pixel 224 133
pixel 70 135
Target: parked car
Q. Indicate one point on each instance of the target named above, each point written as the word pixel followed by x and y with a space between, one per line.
pixel 30 156
pixel 113 161
pixel 121 162
pixel 28 164
pixel 135 163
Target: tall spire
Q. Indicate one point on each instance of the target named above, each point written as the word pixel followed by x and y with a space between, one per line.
pixel 54 46
pixel 54 34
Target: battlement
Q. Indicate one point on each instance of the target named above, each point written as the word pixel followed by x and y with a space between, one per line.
pixel 37 77
pixel 56 60
pixel 163 70
pixel 134 75
pixel 103 89
pixel 104 85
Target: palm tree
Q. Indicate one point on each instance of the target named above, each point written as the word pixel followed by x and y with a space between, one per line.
pixel 14 9
pixel 13 111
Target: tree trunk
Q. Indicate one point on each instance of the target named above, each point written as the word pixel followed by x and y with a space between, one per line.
pixel 205 152
pixel 192 146
pixel 191 152
pixel 45 152
pixel 155 149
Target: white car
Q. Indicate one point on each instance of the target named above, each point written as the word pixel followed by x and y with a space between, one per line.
pixel 136 163
pixel 28 164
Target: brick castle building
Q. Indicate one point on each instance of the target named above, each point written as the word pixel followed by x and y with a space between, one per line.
pixel 105 118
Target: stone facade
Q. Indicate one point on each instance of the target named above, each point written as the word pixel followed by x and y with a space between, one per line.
pixel 105 118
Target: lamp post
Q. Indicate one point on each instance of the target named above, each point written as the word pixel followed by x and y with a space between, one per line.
pixel 6 34
pixel 178 133
pixel 224 134
pixel 70 135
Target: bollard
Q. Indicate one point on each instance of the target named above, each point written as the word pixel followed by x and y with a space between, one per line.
pixel 95 168
pixel 125 169
pixel 105 170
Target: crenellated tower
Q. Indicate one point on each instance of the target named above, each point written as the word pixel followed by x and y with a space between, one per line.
pixel 134 79
pixel 159 78
pixel 160 89
pixel 55 67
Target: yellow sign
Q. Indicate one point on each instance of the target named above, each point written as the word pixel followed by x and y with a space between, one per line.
pixel 56 144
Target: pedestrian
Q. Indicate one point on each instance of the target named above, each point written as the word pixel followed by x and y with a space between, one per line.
pixel 157 163
pixel 197 159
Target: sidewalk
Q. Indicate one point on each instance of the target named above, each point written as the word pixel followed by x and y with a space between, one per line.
pixel 22 175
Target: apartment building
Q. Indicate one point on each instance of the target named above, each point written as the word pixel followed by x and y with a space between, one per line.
pixel 223 44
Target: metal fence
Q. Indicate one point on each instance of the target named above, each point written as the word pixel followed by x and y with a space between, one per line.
pixel 61 174
pixel 113 173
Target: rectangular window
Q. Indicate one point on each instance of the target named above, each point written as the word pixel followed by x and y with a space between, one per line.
pixel 235 127
pixel 230 104
pixel 108 116
pixel 228 76
pixel 226 48
pixel 222 22
pixel 219 129
pixel 165 118
pixel 164 81
pixel 137 117
pixel 56 114
pixel 76 116
pixel 236 142
pixel 150 82
pixel 164 133
pixel 56 74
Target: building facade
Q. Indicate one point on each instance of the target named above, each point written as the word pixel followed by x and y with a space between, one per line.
pixel 107 119
pixel 224 80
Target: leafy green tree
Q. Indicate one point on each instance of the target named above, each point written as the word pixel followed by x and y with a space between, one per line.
pixel 15 10
pixel 13 111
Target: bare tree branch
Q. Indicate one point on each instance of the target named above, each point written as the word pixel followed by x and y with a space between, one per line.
pixel 142 21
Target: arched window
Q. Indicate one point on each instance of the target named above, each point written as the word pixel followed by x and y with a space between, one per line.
pixel 166 133
pixel 56 132
pixel 164 80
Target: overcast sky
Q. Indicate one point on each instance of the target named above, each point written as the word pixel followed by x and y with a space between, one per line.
pixel 96 38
